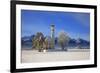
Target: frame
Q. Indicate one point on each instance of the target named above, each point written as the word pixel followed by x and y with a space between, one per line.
pixel 88 56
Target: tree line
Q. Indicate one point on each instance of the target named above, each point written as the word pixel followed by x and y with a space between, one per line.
pixel 41 42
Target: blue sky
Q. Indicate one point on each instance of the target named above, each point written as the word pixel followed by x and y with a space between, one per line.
pixel 75 24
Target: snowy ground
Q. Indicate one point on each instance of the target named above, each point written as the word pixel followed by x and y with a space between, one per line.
pixel 29 56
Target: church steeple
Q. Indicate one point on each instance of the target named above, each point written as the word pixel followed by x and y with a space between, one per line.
pixel 52 36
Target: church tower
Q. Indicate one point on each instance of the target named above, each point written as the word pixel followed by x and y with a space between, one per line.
pixel 52 36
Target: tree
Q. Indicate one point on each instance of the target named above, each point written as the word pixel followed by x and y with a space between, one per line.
pixel 38 41
pixel 63 39
pixel 45 43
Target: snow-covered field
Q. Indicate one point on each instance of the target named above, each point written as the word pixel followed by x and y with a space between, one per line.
pixel 29 56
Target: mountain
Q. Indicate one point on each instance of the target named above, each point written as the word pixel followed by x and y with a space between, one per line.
pixel 84 42
pixel 79 42
pixel 72 42
pixel 27 41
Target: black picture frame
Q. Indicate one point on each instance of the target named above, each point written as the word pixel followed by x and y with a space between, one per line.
pixel 13 36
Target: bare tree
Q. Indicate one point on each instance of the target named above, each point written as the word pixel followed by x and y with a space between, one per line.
pixel 46 43
pixel 38 41
pixel 63 39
